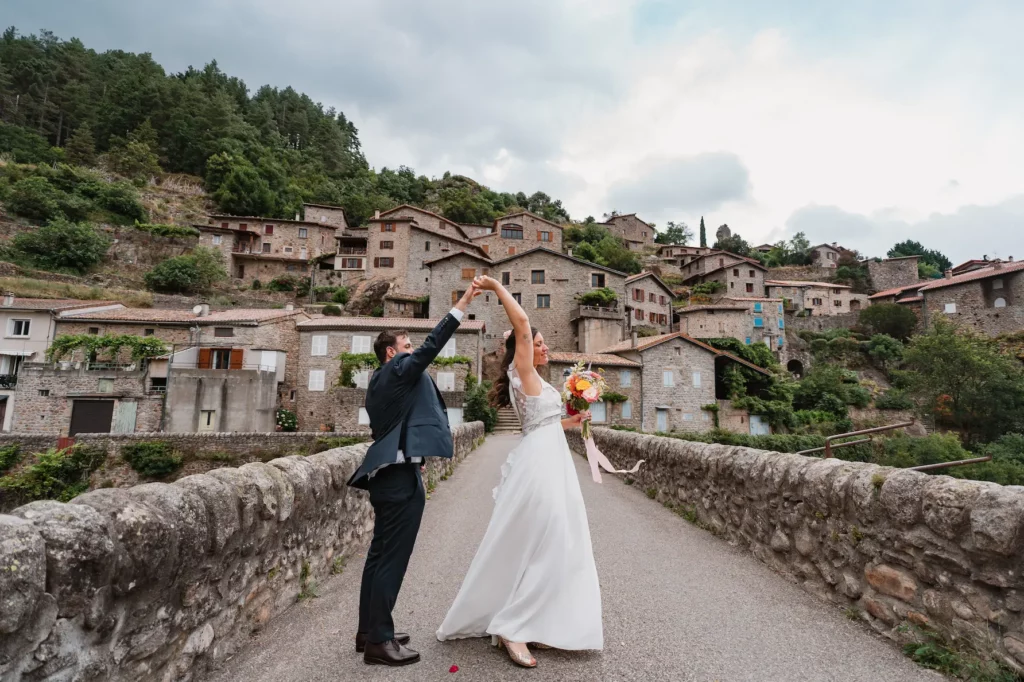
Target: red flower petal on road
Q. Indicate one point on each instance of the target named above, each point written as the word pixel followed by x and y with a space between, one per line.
pixel 453 669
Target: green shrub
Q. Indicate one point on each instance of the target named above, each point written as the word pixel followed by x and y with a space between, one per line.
pixel 598 297
pixel 35 198
pixel 189 274
pixel 63 245
pixel 122 200
pixel 9 456
pixel 894 399
pixel 892 319
pixel 256 285
pixel 55 475
pixel 167 230
pixel 283 283
pixel 340 296
pixel 886 351
pixel 476 407
pixel 287 420
pixel 152 459
pixel 331 310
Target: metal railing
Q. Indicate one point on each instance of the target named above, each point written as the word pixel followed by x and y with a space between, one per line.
pixel 946 465
pixel 829 447
pixel 8 381
pixel 351 251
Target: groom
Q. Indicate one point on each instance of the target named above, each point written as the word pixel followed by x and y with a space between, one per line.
pixel 409 421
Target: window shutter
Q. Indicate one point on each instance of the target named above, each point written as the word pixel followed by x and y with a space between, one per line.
pixel 236 358
pixel 376 262
pixel 205 358
pixel 319 345
pixel 455 297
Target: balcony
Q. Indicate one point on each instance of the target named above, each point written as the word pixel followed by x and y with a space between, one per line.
pixel 351 250
pixel 8 381
pixel 595 312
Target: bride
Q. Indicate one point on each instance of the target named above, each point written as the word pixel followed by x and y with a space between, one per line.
pixel 533 579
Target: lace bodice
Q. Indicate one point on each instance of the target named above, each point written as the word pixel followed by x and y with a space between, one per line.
pixel 534 411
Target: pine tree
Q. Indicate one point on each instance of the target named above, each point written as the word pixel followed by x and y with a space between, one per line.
pixel 703 234
pixel 81 148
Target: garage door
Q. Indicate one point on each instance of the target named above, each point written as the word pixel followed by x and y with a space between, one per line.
pixel 91 416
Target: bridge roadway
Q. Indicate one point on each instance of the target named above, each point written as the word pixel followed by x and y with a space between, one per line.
pixel 679 604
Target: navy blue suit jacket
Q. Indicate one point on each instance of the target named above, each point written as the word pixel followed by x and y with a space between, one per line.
pixel 401 397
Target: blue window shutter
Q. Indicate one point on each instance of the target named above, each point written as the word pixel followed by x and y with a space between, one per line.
pixel 757 307
pixel 758 322
pixel 780 309
pixel 782 323
pixel 780 342
pixel 748 340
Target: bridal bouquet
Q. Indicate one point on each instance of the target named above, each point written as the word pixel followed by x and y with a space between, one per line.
pixel 582 388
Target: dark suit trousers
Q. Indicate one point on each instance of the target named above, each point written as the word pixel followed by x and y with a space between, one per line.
pixel 398 498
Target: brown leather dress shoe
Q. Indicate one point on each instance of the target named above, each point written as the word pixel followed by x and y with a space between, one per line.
pixel 402 638
pixel 389 653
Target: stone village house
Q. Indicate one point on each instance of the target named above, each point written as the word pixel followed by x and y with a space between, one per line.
pixel 621 374
pixel 677 380
pixel 989 300
pixel 267 248
pixel 672 257
pixel 648 303
pixel 547 284
pixel 636 233
pixel 816 298
pixel 519 232
pixel 748 320
pixel 28 328
pixel 826 255
pixel 226 371
pixel 324 403
pixel 738 275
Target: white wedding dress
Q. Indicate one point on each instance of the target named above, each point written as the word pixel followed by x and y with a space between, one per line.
pixel 533 579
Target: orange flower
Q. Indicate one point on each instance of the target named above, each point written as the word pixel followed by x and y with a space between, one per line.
pixel 583 385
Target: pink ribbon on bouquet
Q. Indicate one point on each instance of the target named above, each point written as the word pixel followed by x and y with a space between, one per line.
pixel 596 458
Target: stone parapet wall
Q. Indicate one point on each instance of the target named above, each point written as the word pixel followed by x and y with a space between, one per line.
pixel 893 546
pixel 166 581
pixel 818 323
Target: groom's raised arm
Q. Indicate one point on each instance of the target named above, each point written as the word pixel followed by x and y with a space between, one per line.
pixel 418 361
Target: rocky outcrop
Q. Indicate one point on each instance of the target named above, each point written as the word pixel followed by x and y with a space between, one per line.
pixel 891 545
pixel 164 581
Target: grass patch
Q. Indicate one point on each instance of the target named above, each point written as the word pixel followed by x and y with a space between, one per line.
pixel 152 459
pixel 652 493
pixel 310 590
pixel 852 612
pixel 933 652
pixel 9 456
pixel 324 444
pixel 55 475
pixel 338 566
pixel 36 288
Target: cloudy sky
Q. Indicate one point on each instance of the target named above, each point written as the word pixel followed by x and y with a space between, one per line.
pixel 864 123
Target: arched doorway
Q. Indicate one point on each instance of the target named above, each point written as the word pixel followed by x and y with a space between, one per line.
pixel 854 305
pixel 796 368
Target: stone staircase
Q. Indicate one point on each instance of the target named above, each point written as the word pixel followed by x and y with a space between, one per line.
pixel 507 421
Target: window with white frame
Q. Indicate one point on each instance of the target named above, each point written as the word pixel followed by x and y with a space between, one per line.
pixel 950 308
pixel 696 379
pixel 687 417
pixel 217 239
pixel 361 379
pixel 19 327
pixel 446 381
pixel 598 412
pixel 668 378
pixel 364 417
pixel 627 410
pixel 319 345
pixel 449 349
pixel 303 233
pixel 316 379
pixel 625 378
pixel 362 344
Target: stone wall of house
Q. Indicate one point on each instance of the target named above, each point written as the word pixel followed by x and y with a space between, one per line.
pixel 624 380
pixel 975 303
pixel 804 273
pixel 397 245
pixel 325 215
pixel 732 418
pixel 683 399
pixel 563 281
pixel 817 323
pixel 637 233
pixel 45 397
pixel 893 546
pixel 167 581
pixel 316 408
pixel 892 273
pixel 252 268
pixel 170 334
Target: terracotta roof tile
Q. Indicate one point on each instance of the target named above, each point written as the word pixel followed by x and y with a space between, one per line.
pixel 579 261
pixel 55 304
pixel 753 298
pixel 897 290
pixel 382 323
pixel 532 215
pixel 975 275
pixel 642 275
pixel 158 315
pixel 651 341
pixel 596 359
pixel 711 306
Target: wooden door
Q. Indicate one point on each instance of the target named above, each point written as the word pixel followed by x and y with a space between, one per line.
pixel 205 358
pixel 124 417
pixel 236 358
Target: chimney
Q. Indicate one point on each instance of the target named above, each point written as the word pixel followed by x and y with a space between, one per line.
pixel 570 253
pixel 204 310
pixel 1009 259
pixel 376 215
pixel 297 216
pixel 8 299
pixel 632 339
pixel 997 264
pixel 949 274
pixel 289 306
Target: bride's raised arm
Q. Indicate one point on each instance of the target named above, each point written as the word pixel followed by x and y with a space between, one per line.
pixel 522 330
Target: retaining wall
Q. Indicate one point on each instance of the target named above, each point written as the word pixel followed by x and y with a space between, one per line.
pixel 165 581
pixel 894 546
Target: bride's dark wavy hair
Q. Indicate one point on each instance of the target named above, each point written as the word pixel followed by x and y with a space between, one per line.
pixel 498 397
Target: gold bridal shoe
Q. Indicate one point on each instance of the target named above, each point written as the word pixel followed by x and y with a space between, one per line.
pixel 524 660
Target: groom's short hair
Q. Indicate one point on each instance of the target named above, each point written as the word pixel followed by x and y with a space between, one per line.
pixel 387 340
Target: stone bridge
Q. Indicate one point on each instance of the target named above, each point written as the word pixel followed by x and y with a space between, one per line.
pixel 716 563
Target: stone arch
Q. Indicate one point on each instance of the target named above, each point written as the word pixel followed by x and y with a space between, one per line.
pixel 796 368
pixel 854 305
